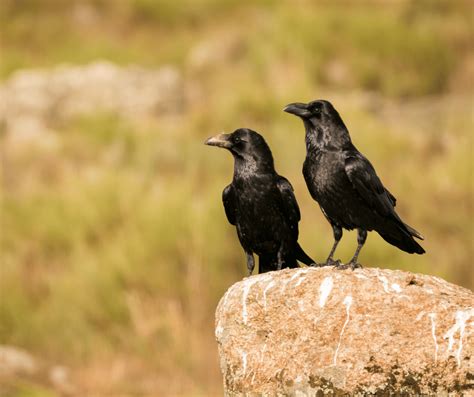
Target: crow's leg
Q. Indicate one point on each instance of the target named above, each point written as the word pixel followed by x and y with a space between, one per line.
pixel 280 258
pixel 337 231
pixel 283 259
pixel 250 262
pixel 361 237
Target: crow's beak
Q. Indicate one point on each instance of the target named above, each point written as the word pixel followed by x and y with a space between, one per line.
pixel 298 109
pixel 221 140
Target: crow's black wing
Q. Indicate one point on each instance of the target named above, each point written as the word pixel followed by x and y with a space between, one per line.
pixel 228 198
pixel 364 179
pixel 392 197
pixel 288 202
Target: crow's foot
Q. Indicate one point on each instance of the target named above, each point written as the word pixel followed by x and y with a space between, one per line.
pixel 315 264
pixel 350 265
pixel 332 262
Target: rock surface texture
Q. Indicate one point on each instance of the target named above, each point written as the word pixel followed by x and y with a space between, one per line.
pixel 322 331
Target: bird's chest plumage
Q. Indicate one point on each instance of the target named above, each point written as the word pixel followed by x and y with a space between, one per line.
pixel 258 215
pixel 252 199
pixel 324 173
pixel 327 181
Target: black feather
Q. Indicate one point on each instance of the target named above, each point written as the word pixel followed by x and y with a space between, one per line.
pixel 344 182
pixel 261 203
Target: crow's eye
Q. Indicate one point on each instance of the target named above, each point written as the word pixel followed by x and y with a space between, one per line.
pixel 239 140
pixel 316 110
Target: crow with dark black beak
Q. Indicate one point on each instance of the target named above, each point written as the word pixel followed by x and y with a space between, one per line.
pixel 345 185
pixel 261 204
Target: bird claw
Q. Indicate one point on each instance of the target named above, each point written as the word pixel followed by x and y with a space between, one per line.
pixel 316 264
pixel 332 262
pixel 350 265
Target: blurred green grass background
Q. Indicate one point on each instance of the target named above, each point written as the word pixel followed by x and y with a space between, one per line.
pixel 114 244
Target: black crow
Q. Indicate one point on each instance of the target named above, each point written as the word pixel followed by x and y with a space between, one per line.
pixel 261 204
pixel 345 185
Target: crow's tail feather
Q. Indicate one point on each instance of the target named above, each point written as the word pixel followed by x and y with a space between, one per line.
pixel 413 232
pixel 302 256
pixel 401 236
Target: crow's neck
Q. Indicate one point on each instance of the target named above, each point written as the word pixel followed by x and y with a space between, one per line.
pixel 319 138
pixel 250 167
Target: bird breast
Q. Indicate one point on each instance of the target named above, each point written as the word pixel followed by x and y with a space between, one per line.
pixel 324 174
pixel 259 218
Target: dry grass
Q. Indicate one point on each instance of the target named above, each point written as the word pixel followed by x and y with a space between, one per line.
pixel 115 247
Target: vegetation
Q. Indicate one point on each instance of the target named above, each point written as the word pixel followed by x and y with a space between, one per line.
pixel 114 246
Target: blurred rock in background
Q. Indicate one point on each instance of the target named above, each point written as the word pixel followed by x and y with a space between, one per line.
pixel 36 99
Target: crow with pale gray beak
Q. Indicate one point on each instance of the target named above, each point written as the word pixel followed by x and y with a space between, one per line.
pixel 260 204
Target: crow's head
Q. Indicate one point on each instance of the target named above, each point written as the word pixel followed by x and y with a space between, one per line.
pixel 317 112
pixel 324 126
pixel 246 146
